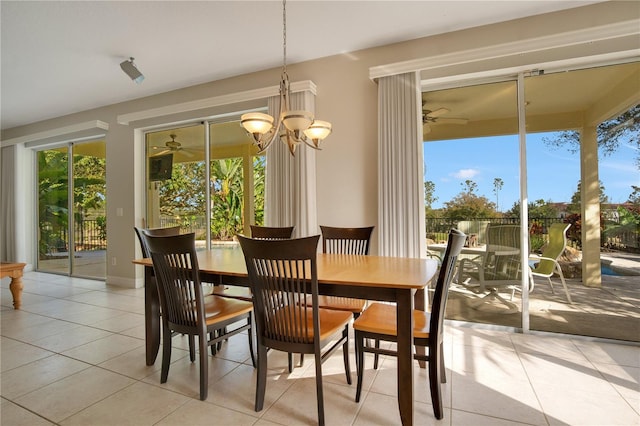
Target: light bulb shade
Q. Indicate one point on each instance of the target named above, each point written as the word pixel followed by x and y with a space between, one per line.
pixel 256 122
pixel 318 130
pixel 297 120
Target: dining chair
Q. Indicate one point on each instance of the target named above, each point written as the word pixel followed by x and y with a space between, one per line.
pixel 271 232
pixel 378 322
pixel 282 275
pixel 185 309
pixel 546 265
pixel 156 232
pixel 345 241
pixel 161 232
pixel 262 232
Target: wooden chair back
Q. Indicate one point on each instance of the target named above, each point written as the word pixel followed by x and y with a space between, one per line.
pixel 176 268
pixel 283 273
pixel 156 232
pixel 272 233
pixel 346 240
pixel 283 276
pixel 454 247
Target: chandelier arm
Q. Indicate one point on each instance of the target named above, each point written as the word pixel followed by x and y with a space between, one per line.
pixel 312 145
pixel 269 137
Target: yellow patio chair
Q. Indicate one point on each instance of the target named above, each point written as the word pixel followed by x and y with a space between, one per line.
pixel 547 264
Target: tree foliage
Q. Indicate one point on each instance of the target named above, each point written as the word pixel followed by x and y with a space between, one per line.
pixel 576 199
pixel 228 192
pixel 498 183
pixel 611 134
pixel 467 204
pixel 634 197
pixel 184 196
pixel 89 194
pixel 628 224
pixel 537 209
pixel 258 188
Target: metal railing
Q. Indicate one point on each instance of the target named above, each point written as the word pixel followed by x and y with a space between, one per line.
pixel 438 228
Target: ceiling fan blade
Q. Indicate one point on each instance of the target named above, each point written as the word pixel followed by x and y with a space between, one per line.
pixel 166 151
pixel 186 152
pixel 453 120
pixel 438 112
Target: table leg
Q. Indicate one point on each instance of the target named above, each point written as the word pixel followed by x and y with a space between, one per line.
pixel 404 309
pixel 151 317
pixel 16 291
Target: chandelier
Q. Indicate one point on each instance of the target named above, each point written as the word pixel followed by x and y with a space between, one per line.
pixel 293 126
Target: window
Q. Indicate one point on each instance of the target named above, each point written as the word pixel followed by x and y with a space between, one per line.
pixel 234 196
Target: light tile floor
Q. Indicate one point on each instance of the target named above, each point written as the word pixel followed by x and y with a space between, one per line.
pixel 74 355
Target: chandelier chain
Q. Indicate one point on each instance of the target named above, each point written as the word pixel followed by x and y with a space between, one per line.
pixel 284 35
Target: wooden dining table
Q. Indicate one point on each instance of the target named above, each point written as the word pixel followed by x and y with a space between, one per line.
pixel 389 279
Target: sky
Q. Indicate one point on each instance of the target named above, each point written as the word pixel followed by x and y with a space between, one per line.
pixel 553 173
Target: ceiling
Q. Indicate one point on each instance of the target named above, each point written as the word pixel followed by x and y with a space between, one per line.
pixel 61 57
pixel 553 102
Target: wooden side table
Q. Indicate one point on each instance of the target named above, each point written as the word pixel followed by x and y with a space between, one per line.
pixel 14 270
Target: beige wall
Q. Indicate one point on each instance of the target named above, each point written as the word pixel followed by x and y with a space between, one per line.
pixel 347 166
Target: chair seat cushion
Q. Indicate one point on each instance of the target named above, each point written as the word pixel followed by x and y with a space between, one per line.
pixel 331 321
pixel 341 303
pixel 219 309
pixel 380 318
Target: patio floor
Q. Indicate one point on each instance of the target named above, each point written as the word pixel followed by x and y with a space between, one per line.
pixel 611 311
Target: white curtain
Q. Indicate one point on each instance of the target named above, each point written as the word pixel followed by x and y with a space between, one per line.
pixel 290 193
pixel 401 227
pixel 8 203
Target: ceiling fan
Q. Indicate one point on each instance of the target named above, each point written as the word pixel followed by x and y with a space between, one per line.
pixel 430 117
pixel 174 146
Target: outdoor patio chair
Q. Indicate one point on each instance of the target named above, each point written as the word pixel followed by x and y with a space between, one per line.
pixel 546 265
pixel 497 268
pixel 474 227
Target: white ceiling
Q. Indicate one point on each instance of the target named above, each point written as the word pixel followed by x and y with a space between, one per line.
pixel 61 57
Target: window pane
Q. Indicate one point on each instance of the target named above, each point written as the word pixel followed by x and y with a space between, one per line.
pixel 259 163
pixel 471 156
pixel 89 209
pixel 176 176
pixel 53 211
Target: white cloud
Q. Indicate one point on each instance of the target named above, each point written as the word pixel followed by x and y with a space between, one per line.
pixel 466 173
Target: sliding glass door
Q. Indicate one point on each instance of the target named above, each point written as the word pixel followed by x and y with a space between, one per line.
pixel 471 155
pixel 583 170
pixel 72 237
pixel 205 178
pixel 571 164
